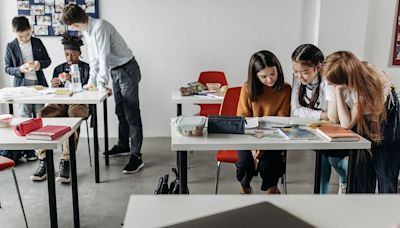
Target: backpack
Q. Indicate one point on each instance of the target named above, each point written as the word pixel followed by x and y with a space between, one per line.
pixel 163 187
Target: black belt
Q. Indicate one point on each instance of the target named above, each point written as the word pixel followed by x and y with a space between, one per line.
pixel 123 65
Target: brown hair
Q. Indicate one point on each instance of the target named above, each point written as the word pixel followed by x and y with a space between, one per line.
pixel 73 14
pixel 344 68
pixel 258 62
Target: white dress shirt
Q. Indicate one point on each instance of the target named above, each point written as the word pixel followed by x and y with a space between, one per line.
pixel 107 49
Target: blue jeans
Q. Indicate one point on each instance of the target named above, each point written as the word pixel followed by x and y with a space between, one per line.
pixel 339 164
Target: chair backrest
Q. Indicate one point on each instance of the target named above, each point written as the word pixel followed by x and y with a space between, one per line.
pixel 212 77
pixel 230 103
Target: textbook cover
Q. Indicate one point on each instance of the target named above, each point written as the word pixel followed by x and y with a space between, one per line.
pixel 337 134
pixel 297 133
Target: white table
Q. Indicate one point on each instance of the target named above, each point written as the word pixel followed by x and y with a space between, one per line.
pixel 328 211
pixel 178 99
pixel 10 141
pixel 214 142
pixel 93 98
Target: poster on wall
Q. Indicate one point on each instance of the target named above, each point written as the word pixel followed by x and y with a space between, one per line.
pixel 396 46
pixel 44 15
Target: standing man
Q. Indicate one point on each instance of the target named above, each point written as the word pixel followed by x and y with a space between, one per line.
pixel 108 53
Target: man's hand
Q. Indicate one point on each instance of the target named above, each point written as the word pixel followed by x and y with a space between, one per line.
pixel 109 91
pixel 55 82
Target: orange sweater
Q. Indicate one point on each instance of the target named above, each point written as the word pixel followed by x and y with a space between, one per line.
pixel 270 103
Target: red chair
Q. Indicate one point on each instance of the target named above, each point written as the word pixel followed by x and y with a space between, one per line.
pixel 211 77
pixel 6 163
pixel 229 108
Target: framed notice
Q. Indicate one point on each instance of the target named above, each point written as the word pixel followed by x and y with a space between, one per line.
pixel 44 15
pixel 396 46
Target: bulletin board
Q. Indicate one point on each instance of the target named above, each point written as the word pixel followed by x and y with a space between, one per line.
pixel 396 46
pixel 44 15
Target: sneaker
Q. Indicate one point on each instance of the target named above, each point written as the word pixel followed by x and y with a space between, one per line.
pixel 133 166
pixel 342 188
pixel 63 174
pixel 30 155
pixel 40 173
pixel 118 151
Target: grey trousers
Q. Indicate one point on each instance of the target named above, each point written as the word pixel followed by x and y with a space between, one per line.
pixel 30 110
pixel 126 94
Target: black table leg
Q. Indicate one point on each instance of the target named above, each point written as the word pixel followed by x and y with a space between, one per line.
pixel 105 131
pixel 51 189
pixel 317 174
pixel 182 170
pixel 96 144
pixel 178 109
pixel 10 109
pixel 351 171
pixel 75 201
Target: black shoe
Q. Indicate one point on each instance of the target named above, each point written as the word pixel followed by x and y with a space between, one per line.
pixel 118 151
pixel 133 166
pixel 63 174
pixel 41 172
pixel 30 155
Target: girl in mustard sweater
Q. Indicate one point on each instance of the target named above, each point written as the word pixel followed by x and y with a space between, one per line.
pixel 264 94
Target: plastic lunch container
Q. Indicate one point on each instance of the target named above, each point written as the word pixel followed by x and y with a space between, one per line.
pixel 190 125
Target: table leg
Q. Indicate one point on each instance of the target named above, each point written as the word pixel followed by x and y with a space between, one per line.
pixel 105 131
pixel 182 170
pixel 51 189
pixel 96 144
pixel 178 109
pixel 10 109
pixel 75 201
pixel 351 172
pixel 317 172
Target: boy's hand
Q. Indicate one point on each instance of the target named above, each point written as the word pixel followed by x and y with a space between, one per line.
pixel 23 68
pixel 36 65
pixel 55 82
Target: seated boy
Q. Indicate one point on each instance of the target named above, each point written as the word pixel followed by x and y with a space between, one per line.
pixel 72 53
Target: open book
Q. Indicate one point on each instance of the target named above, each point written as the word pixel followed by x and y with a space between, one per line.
pixel 337 134
pixel 48 132
pixel 297 133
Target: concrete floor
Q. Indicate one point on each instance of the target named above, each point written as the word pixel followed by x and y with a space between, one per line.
pixel 104 204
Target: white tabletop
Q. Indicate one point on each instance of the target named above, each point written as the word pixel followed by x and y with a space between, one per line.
pixel 319 210
pixel 177 98
pixel 249 142
pixel 84 97
pixel 10 141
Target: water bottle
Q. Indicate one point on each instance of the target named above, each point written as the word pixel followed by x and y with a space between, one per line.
pixel 76 84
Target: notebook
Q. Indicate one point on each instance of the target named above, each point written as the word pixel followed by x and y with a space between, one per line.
pixel 337 134
pixel 263 214
pixel 48 132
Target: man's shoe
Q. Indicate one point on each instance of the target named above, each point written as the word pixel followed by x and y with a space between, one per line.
pixel 30 155
pixel 133 166
pixel 118 151
pixel 63 174
pixel 41 172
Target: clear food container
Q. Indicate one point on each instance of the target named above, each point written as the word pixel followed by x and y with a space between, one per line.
pixel 190 125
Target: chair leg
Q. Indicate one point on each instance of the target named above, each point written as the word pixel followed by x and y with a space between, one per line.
pixel 190 158
pixel 19 196
pixel 217 177
pixel 88 142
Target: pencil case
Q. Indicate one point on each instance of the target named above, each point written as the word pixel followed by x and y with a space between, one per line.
pixel 226 124
pixel 25 127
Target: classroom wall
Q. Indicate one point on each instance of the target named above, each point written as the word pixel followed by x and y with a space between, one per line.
pixel 175 40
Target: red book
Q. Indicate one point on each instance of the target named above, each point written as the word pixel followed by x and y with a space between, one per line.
pixel 48 132
pixel 337 134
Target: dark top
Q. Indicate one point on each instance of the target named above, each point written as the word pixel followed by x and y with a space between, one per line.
pixel 13 60
pixel 83 70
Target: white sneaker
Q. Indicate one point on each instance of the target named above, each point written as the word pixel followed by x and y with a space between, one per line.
pixel 342 188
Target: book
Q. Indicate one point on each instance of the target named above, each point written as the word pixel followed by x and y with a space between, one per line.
pixel 297 133
pixel 63 92
pixel 48 132
pixel 337 134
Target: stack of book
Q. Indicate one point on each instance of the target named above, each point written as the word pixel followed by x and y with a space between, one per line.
pixel 48 132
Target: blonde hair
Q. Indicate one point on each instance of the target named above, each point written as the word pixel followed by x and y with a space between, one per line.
pixel 344 68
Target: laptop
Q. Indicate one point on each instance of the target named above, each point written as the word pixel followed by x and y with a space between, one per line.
pixel 263 214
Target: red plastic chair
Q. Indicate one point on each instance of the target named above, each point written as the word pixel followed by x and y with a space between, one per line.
pixel 211 77
pixel 6 163
pixel 228 108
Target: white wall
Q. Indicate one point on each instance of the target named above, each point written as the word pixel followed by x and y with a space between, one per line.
pixel 174 40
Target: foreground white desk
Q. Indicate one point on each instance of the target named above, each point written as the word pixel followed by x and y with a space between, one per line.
pixel 10 141
pixel 214 142
pixel 328 211
pixel 92 98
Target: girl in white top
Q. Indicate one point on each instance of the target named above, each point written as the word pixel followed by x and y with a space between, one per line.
pixel 309 101
pixel 364 101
